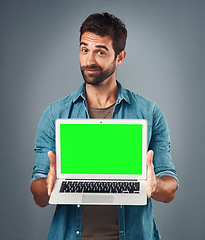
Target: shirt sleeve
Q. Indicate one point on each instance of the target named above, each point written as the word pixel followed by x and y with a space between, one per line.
pixel 168 173
pixel 161 145
pixel 44 142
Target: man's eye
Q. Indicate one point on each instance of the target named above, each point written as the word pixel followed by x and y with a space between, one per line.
pixel 101 53
pixel 84 50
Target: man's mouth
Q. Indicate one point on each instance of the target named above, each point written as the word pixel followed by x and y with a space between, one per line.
pixel 91 71
pixel 91 68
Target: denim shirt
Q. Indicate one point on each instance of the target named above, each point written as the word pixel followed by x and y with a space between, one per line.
pixel 135 222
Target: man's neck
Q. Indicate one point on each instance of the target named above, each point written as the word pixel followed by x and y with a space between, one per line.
pixel 103 95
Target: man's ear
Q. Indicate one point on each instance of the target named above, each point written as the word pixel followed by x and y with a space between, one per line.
pixel 121 57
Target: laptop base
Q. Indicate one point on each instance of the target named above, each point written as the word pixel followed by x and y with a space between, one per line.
pixel 98 198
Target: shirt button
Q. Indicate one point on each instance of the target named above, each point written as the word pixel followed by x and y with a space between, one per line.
pixel 78 205
pixel 77 232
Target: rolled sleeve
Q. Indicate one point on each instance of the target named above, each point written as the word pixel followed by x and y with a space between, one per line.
pixel 161 145
pixel 44 142
pixel 168 173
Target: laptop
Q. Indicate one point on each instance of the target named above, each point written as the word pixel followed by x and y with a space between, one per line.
pixel 100 162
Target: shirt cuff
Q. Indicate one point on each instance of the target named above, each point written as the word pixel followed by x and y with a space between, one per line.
pixel 168 173
pixel 37 176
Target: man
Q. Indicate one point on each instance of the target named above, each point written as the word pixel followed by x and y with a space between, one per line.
pixel 102 49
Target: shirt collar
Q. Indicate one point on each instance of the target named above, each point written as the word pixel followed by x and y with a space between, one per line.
pixel 122 94
pixel 80 93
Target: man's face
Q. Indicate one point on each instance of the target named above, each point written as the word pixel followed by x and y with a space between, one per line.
pixel 97 58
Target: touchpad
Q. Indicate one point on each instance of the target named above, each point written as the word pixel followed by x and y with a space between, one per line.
pixel 98 199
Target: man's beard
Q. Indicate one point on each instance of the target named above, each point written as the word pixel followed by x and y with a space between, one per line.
pixel 97 78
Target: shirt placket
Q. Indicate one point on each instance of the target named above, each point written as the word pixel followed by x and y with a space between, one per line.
pixel 78 222
pixel 121 222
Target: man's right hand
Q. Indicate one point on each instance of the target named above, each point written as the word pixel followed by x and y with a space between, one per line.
pixel 51 177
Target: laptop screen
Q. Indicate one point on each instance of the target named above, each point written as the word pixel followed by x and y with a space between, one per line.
pixel 101 149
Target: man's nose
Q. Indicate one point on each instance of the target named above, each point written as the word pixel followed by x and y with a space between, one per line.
pixel 91 59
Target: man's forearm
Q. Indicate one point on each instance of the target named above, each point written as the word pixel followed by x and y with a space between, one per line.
pixel 40 192
pixel 165 189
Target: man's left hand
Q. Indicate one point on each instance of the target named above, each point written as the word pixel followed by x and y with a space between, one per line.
pixel 151 177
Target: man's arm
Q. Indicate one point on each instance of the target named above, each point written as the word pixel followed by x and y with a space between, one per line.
pixel 159 188
pixel 41 188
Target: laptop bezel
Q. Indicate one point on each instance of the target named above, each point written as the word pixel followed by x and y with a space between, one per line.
pixel 96 177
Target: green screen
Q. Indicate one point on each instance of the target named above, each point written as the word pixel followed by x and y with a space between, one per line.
pixel 101 148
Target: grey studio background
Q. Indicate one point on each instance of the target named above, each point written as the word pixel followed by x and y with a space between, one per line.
pixel 39 64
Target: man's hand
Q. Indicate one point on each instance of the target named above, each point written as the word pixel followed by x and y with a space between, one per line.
pixel 51 177
pixel 159 188
pixel 41 188
pixel 151 178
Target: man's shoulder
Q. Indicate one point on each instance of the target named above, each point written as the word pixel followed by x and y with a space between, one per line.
pixel 61 107
pixel 140 100
pixel 63 102
pixel 67 101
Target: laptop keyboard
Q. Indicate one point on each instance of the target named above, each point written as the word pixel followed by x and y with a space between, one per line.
pixel 99 187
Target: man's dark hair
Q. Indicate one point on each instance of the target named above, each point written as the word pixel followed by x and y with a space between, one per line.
pixel 106 24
